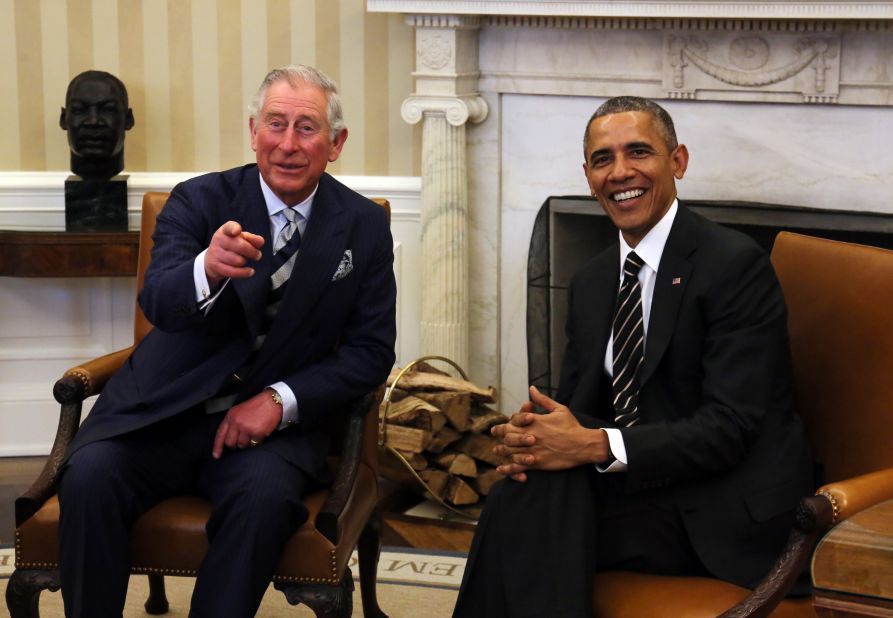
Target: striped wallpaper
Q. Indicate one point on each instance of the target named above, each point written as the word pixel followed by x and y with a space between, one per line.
pixel 190 67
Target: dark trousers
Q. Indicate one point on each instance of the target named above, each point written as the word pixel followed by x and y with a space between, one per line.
pixel 539 543
pixel 105 486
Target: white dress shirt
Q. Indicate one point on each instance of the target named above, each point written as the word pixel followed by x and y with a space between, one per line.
pixel 650 249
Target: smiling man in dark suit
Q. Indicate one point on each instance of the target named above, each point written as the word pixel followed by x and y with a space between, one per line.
pixel 272 293
pixel 672 446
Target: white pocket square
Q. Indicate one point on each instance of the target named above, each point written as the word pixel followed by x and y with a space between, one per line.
pixel 344 267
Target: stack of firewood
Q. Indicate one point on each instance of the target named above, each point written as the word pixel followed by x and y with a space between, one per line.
pixel 440 425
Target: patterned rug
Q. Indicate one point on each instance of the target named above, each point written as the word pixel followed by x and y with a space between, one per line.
pixel 412 584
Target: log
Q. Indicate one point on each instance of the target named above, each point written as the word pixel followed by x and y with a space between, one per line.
pixel 425 367
pixel 456 406
pixel 480 446
pixel 406 438
pixel 457 463
pixel 458 492
pixel 437 382
pixel 442 439
pixel 412 412
pixel 416 460
pixel 484 421
pixel 484 480
pixel 436 480
pixel 437 420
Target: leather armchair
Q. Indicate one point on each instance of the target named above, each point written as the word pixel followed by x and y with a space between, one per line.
pixel 839 297
pixel 170 538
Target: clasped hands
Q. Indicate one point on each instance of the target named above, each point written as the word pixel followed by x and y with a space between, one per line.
pixel 551 441
pixel 230 250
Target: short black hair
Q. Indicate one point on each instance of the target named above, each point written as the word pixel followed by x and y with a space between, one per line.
pixel 616 105
pixel 98 76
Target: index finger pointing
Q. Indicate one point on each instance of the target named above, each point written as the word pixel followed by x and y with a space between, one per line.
pixel 256 241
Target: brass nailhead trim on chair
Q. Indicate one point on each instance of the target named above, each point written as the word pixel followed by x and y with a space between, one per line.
pixel 835 507
pixel 83 376
pixel 333 580
pixel 30 565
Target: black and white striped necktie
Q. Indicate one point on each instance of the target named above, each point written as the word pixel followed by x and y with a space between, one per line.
pixel 629 343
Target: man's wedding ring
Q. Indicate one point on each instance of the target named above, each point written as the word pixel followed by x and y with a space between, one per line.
pixel 253 442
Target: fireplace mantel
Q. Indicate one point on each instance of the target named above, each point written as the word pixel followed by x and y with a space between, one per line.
pixel 643 8
pixel 779 102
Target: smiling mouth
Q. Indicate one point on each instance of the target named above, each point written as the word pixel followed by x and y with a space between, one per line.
pixel 627 195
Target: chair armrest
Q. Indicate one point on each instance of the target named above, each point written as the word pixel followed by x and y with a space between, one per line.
pixel 813 519
pixel 858 493
pixel 88 379
pixel 70 390
pixel 327 520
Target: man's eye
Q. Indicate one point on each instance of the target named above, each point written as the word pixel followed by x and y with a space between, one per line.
pixel 639 153
pixel 307 129
pixel 600 161
pixel 275 124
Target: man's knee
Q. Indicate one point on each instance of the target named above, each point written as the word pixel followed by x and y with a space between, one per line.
pixel 266 488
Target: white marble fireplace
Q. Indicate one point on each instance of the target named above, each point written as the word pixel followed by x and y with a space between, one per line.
pixel 778 102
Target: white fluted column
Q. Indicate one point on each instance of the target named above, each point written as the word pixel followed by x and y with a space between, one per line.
pixel 445 99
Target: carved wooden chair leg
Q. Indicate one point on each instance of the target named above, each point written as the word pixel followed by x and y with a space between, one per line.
pixel 24 588
pixel 325 601
pixel 369 550
pixel 157 601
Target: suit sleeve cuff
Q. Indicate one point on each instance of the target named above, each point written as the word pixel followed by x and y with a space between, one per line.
pixel 618 451
pixel 203 295
pixel 289 404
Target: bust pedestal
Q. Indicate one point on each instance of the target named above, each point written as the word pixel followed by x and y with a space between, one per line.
pixel 96 205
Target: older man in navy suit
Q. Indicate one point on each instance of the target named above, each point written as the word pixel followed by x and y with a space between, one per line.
pixel 272 293
pixel 672 446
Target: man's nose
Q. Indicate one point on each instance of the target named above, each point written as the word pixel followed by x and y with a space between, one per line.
pixel 620 169
pixel 289 142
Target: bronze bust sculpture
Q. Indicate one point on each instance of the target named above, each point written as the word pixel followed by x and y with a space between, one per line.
pixel 96 115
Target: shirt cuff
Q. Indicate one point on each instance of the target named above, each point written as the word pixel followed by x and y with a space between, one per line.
pixel 203 295
pixel 289 404
pixel 618 450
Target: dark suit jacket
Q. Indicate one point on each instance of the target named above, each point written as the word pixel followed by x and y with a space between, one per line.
pixel 718 436
pixel 331 341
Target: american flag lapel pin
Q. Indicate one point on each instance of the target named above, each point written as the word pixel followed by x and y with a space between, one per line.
pixel 676 280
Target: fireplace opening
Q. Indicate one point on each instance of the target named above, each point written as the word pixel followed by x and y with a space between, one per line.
pixel 570 230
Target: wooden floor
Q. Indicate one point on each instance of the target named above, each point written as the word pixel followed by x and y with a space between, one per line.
pixel 17 473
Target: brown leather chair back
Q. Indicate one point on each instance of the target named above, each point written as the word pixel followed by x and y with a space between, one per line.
pixel 839 298
pixel 153 202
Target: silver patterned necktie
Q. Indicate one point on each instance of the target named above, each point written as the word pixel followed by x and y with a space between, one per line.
pixel 629 343
pixel 285 248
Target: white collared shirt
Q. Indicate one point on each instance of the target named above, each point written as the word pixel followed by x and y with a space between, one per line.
pixel 650 249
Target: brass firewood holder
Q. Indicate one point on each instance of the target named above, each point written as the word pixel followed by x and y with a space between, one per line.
pixel 382 430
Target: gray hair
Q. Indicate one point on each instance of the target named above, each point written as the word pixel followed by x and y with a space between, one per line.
pixel 617 105
pixel 301 73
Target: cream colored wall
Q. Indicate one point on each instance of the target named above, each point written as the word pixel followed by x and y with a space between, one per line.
pixel 190 67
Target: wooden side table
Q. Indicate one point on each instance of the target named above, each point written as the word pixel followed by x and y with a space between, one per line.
pixel 852 567
pixel 68 254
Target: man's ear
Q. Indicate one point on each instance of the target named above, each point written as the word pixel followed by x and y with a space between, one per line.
pixel 337 145
pixel 680 161
pixel 128 119
pixel 62 122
